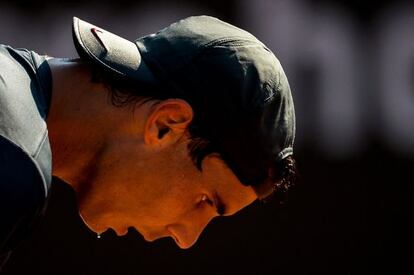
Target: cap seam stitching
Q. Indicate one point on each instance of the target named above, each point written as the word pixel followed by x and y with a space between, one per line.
pixel 223 40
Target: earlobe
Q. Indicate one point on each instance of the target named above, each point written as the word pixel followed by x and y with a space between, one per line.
pixel 167 122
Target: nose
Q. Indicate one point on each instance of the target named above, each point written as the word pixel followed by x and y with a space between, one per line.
pixel 186 234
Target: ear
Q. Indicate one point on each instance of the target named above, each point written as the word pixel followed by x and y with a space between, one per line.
pixel 167 122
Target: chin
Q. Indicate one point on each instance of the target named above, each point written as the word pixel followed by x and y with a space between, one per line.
pixel 91 226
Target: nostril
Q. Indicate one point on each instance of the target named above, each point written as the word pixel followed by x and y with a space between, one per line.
pixel 184 241
pixel 175 239
pixel 179 243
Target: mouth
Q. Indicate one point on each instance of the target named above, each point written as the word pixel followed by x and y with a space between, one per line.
pixel 121 231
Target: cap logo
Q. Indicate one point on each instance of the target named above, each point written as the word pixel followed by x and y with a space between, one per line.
pixel 95 33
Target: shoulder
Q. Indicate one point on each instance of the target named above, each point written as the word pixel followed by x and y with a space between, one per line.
pixel 18 171
pixel 25 155
pixel 25 69
pixel 23 109
pixel 22 196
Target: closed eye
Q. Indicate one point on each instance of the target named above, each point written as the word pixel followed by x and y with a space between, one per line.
pixel 206 199
pixel 216 203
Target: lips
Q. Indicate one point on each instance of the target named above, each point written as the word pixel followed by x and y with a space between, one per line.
pixel 121 231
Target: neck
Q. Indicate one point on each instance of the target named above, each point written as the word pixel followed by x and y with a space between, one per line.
pixel 77 130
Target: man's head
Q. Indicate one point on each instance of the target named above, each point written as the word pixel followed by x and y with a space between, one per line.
pixel 148 180
pixel 212 127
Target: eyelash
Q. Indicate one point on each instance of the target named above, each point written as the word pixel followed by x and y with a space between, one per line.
pixel 206 199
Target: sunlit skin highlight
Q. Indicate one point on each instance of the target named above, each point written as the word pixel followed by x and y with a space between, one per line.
pixel 130 167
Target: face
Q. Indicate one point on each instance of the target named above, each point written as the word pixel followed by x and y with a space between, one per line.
pixel 151 184
pixel 188 200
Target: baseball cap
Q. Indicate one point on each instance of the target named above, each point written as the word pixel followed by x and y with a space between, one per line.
pixel 235 84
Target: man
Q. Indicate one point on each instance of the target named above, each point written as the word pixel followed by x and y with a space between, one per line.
pixel 162 134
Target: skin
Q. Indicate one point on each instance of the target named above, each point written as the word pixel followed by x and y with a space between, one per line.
pixel 130 167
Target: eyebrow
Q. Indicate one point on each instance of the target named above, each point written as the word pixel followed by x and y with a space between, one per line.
pixel 220 206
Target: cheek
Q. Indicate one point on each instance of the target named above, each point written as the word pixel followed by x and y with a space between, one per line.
pixel 174 208
pixel 177 195
pixel 117 162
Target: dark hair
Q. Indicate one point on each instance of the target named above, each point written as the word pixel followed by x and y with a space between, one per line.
pixel 124 92
pixel 284 177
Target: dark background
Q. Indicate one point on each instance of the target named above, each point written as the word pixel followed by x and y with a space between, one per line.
pixel 350 66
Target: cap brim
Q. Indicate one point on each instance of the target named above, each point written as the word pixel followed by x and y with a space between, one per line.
pixel 112 52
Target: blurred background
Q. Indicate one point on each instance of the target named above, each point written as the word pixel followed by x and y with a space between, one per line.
pixel 351 69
